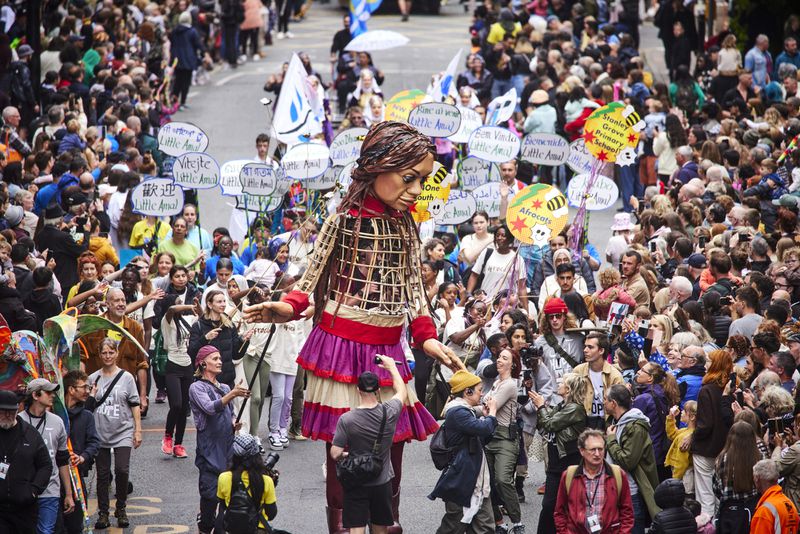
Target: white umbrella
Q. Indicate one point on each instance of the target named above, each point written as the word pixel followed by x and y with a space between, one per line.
pixel 376 40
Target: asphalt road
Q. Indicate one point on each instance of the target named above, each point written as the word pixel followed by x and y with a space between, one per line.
pixel 165 498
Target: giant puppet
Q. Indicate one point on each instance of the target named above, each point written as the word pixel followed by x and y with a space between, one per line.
pixel 365 279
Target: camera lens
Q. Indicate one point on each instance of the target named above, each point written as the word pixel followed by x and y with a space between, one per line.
pixel 377 360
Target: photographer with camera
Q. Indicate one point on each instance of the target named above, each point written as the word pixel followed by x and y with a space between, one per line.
pixel 503 449
pixel 536 376
pixel 148 233
pixel 247 506
pixel 562 351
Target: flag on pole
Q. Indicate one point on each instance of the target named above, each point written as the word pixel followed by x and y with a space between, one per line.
pixel 360 11
pixel 295 121
pixel 445 85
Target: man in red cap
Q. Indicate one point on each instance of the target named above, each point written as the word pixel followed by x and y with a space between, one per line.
pixel 561 351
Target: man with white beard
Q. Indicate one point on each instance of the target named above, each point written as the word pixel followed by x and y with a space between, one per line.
pixel 25 468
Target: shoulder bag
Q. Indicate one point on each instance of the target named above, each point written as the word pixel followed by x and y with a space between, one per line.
pixel 355 470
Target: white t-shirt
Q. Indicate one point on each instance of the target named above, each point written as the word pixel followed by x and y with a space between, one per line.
pixel 597 401
pixel 177 352
pixel 497 271
pixel 472 345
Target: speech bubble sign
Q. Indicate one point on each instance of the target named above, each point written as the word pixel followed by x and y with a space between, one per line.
pixel 470 121
pixel 602 195
pixel 158 197
pixel 195 170
pixel 346 147
pixel 326 181
pixel 400 105
pixel 487 198
pixel 460 206
pixel 494 144
pixel 545 149
pixel 345 177
pixel 475 172
pixel 537 213
pixel 581 161
pixel 229 176
pixel 255 204
pixel 435 119
pixel 176 138
pixel 306 160
pixel 258 179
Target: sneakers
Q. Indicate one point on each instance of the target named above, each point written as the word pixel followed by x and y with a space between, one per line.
pixel 122 518
pixel 501 529
pixel 275 442
pixel 161 396
pixel 284 438
pixel 281 35
pixel 518 528
pixel 166 444
pixel 102 521
pixel 179 452
pixel 289 35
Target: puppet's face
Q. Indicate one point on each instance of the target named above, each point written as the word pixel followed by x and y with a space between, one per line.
pixel 400 189
pixel 540 235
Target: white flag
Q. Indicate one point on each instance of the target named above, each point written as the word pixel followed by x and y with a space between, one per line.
pixel 295 119
pixel 444 85
pixel 501 108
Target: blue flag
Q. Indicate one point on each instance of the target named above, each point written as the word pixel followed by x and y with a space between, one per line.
pixel 360 11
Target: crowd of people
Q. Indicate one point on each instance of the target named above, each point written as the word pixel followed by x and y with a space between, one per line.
pixel 654 376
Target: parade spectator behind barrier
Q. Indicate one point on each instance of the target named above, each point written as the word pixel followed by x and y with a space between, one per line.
pixel 55 237
pixel 175 316
pixel 213 416
pixel 775 511
pixel 247 465
pixel 710 433
pixel 607 511
pixel 29 472
pixel 357 432
pixel 83 438
pixel 503 449
pixel 655 392
pixel 116 405
pixel 601 375
pixel 40 394
pixel 733 482
pixel 467 475
pixel 563 423
pixel 629 446
pixel 216 329
pixel 674 517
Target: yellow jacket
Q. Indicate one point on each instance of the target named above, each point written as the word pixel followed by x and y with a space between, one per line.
pixel 103 249
pixel 610 377
pixel 678 459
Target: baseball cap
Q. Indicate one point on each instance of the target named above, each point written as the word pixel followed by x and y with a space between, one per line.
pixel 698 261
pixel 787 201
pixel 368 382
pixel 8 400
pixel 40 384
pixel 793 338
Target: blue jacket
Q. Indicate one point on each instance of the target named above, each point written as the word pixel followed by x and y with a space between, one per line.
pixel 689 383
pixel 469 435
pixel 69 142
pixel 185 46
pixel 783 57
pixel 52 192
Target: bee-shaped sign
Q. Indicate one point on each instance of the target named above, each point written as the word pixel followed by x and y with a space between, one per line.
pixel 435 192
pixel 537 213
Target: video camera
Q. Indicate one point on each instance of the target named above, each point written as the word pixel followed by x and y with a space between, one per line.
pixel 269 465
pixel 529 355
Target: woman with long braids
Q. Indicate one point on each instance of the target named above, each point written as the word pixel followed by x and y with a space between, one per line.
pixel 365 276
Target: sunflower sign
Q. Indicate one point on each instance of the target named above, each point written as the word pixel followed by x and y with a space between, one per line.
pixel 611 129
pixel 537 213
pixel 435 192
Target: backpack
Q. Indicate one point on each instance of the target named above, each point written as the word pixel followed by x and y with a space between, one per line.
pixel 242 515
pixel 441 454
pixel 614 469
pixel 686 98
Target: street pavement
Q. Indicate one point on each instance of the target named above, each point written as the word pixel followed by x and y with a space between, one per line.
pixel 165 498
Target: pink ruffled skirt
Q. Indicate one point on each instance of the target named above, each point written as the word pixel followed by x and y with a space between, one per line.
pixel 333 365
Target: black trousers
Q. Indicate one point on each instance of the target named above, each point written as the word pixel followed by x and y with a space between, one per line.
pixel 180 88
pixel 555 466
pixel 178 381
pixel 17 519
pixel 252 37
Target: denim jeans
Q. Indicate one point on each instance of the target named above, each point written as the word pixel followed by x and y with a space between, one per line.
pixel 48 515
pixel 639 514
pixel 630 185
